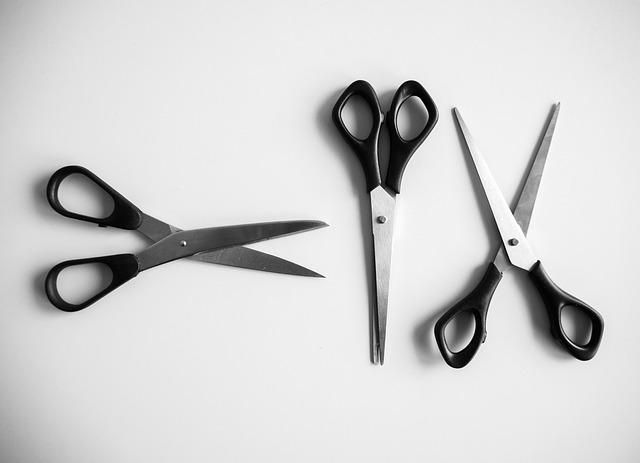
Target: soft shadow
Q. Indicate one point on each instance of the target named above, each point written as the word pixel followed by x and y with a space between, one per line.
pixel 39 295
pixel 41 206
pixel 39 196
pixel 424 341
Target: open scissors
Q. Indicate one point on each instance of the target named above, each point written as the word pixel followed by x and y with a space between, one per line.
pixel 383 193
pixel 217 245
pixel 515 251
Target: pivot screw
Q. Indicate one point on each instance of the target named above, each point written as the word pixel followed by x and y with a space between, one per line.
pixel 381 219
pixel 513 242
pixel 182 243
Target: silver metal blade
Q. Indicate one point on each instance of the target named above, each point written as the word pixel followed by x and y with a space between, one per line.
pixel 513 238
pixel 242 257
pixel 155 229
pixel 527 198
pixel 191 242
pixel 382 220
pixel 237 256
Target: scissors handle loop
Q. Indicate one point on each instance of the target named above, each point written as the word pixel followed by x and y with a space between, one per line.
pixel 124 215
pixel 555 300
pixel 401 149
pixel 477 303
pixel 366 149
pixel 123 267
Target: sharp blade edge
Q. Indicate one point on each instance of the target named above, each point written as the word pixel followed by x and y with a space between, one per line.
pixel 519 254
pixel 529 193
pixel 527 198
pixel 190 242
pixel 382 222
pixel 254 260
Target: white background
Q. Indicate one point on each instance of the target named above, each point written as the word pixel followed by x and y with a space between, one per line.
pixel 207 114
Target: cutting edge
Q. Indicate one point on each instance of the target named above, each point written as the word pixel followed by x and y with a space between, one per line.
pixel 382 222
pixel 528 195
pixel 187 243
pixel 513 238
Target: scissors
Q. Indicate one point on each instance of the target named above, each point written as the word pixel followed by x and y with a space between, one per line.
pixel 383 193
pixel 216 245
pixel 515 251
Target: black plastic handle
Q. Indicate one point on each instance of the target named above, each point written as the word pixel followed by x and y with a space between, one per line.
pixel 125 215
pixel 477 303
pixel 401 149
pixel 555 299
pixel 366 149
pixel 123 268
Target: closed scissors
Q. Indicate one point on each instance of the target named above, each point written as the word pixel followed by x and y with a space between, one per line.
pixel 383 193
pixel 515 251
pixel 217 245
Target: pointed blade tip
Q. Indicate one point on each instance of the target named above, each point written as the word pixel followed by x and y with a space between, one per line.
pixel 458 117
pixel 316 224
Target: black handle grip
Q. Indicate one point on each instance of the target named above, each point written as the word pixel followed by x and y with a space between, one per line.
pixel 125 215
pixel 476 303
pixel 123 268
pixel 401 149
pixel 555 299
pixel 366 149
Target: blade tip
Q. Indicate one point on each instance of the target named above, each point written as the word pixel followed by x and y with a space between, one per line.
pixel 318 224
pixel 457 114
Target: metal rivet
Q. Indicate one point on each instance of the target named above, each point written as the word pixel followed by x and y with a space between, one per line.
pixel 381 219
pixel 513 242
pixel 183 243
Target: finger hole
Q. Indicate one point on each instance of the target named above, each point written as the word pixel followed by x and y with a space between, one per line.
pixel 77 283
pixel 81 195
pixel 357 118
pixel 412 118
pixel 459 331
pixel 576 325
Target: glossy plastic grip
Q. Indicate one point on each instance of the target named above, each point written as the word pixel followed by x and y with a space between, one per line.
pixel 366 149
pixel 477 303
pixel 401 149
pixel 555 299
pixel 123 268
pixel 125 215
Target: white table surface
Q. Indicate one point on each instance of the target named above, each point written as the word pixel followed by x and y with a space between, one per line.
pixel 206 114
